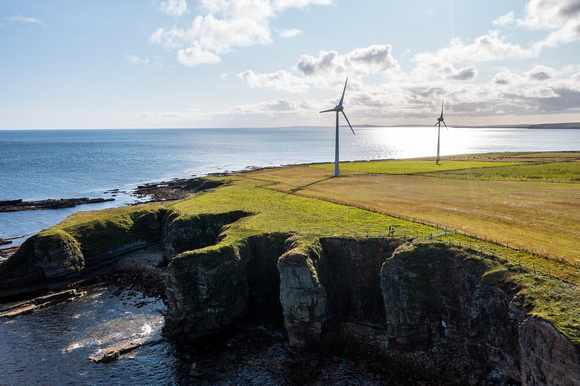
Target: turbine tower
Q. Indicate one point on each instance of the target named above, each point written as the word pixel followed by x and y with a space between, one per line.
pixel 339 109
pixel 439 121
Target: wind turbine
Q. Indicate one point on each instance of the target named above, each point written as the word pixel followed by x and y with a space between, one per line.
pixel 439 121
pixel 339 109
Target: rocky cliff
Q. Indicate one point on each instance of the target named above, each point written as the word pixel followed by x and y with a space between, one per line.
pixel 429 311
pixel 55 258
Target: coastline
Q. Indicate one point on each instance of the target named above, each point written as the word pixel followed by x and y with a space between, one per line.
pixel 222 243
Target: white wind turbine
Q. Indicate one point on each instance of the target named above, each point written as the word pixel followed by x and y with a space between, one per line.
pixel 339 109
pixel 439 121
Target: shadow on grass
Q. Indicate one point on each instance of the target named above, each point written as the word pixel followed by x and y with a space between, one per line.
pixel 307 185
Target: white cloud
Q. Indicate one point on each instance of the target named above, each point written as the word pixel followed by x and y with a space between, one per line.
pixel 281 5
pixel 561 17
pixel 135 59
pixel 490 47
pixel 361 61
pixel 290 33
pixel 25 20
pixel 175 8
pixel 505 20
pixel 225 25
pixel 280 80
pixel 170 40
pixel 540 73
pixel 550 14
pixel 466 73
pixel 286 112
pixel 194 55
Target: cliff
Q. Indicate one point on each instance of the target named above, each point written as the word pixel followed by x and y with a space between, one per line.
pixel 429 311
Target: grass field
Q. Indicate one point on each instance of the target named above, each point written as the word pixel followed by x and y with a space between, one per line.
pixel 546 172
pixel 476 199
pixel 409 166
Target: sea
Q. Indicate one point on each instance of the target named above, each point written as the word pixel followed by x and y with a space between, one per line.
pixel 51 346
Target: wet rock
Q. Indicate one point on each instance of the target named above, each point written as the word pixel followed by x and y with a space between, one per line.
pixel 13 310
pixel 18 205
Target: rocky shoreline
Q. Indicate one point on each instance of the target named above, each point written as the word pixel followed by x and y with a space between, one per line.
pixel 175 189
pixel 18 205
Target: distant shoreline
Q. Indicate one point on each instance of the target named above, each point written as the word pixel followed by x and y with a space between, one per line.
pixel 564 125
pixel 568 125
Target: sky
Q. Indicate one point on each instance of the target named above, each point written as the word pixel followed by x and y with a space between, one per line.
pixel 277 63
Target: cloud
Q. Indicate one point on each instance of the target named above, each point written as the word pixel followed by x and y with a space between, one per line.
pixel 175 8
pixel 196 55
pixel 170 40
pixel 280 80
pixel 290 33
pixel 561 17
pixel 361 61
pixel 505 20
pixel 285 111
pixel 540 73
pixel 550 14
pixel 25 20
pixel 135 59
pixel 467 73
pixel 225 25
pixel 489 47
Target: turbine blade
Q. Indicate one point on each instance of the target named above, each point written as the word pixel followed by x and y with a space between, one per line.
pixel 348 122
pixel 327 111
pixel 442 107
pixel 445 125
pixel 342 97
pixel 433 125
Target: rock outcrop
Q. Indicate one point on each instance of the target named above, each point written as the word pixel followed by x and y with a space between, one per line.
pixel 54 259
pixel 302 296
pixel 209 288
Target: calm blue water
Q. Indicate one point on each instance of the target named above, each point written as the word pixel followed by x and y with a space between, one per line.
pixel 51 346
pixel 41 164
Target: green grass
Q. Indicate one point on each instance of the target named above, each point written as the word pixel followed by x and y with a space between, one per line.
pixel 279 212
pixel 411 166
pixel 537 216
pixel 547 172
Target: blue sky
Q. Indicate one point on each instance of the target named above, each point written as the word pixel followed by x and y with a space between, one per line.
pixel 269 63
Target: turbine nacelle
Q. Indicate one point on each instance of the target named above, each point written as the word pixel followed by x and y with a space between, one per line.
pixel 440 120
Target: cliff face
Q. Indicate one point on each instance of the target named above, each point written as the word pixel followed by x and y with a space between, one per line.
pixel 209 288
pixel 431 312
